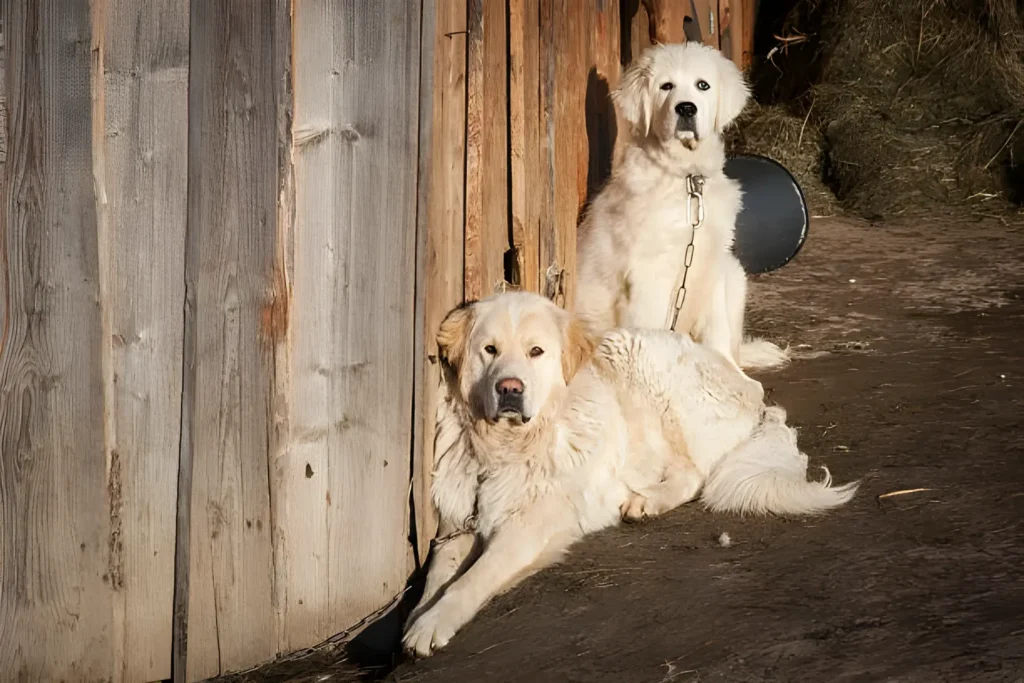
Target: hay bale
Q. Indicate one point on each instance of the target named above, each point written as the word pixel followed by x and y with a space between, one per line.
pixel 918 103
pixel 773 131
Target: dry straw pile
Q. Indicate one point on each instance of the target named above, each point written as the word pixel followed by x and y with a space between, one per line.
pixel 893 107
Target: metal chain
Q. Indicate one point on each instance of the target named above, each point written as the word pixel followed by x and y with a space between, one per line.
pixel 694 191
pixel 468 524
pixel 441 540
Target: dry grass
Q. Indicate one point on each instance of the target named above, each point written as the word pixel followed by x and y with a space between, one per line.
pixel 918 105
pixel 774 132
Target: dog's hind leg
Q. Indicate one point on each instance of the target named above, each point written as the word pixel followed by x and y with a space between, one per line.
pixel 748 354
pixel 734 278
pixel 717 325
pixel 681 484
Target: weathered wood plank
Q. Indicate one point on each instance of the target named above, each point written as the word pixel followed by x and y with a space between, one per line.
pixel 276 317
pixel 571 48
pixel 442 198
pixel 549 267
pixel 60 484
pixel 143 143
pixel 732 31
pixel 637 27
pixel 666 19
pixel 233 244
pixel 604 72
pixel 487 211
pixel 525 157
pixel 748 10
pixel 345 476
pixel 709 20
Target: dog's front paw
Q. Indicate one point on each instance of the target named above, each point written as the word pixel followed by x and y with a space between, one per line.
pixel 429 633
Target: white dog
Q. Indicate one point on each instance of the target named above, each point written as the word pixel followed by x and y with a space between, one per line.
pixel 529 462
pixel 677 100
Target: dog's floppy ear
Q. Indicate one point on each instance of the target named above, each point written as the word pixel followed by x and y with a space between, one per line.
pixel 577 347
pixel 453 333
pixel 733 93
pixel 633 97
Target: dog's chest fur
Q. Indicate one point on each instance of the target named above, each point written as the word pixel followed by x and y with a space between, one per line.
pixel 661 234
pixel 664 230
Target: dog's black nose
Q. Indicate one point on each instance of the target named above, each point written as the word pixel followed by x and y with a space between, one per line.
pixel 509 385
pixel 687 109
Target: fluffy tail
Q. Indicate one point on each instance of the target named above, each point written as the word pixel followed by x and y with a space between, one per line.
pixel 759 353
pixel 768 473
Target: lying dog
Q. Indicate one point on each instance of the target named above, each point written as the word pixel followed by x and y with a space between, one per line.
pixel 543 438
pixel 638 235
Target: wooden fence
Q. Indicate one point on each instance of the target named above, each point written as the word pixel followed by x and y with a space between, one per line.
pixel 229 230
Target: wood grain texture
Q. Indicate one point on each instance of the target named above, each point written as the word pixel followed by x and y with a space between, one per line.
pixel 344 480
pixel 487 151
pixel 708 19
pixel 549 265
pixel 667 17
pixel 571 55
pixel 59 566
pixel 727 23
pixel 525 141
pixel 232 241
pixel 637 27
pixel 142 147
pixel 604 72
pixel 734 32
pixel 748 12
pixel 442 206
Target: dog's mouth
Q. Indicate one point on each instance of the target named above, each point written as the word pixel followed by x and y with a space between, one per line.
pixel 510 408
pixel 512 415
pixel 686 132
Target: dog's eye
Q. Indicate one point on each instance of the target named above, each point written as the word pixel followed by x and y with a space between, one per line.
pixel 667 86
pixel 703 85
pixel 536 351
pixel 491 349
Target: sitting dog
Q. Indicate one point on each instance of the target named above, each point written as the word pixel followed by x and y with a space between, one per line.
pixel 655 247
pixel 543 437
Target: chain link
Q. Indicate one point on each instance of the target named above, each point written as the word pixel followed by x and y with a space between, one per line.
pixel 694 191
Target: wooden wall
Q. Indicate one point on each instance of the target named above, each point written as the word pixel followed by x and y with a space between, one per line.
pixel 229 230
pixel 208 319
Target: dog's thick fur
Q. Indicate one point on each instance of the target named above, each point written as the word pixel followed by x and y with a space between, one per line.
pixel 634 237
pixel 629 428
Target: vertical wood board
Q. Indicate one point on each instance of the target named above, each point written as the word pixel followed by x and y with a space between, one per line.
pixel 59 564
pixel 142 148
pixel 442 205
pixel 487 151
pixel 667 18
pixel 524 138
pixel 232 215
pixel 571 55
pixel 346 474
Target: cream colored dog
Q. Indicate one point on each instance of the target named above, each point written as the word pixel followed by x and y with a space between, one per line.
pixel 677 100
pixel 543 438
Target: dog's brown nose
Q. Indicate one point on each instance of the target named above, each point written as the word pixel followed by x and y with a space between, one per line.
pixel 509 385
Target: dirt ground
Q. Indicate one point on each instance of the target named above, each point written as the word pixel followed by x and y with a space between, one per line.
pixel 909 379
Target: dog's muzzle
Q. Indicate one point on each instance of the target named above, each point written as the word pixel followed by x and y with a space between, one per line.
pixel 686 121
pixel 510 398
